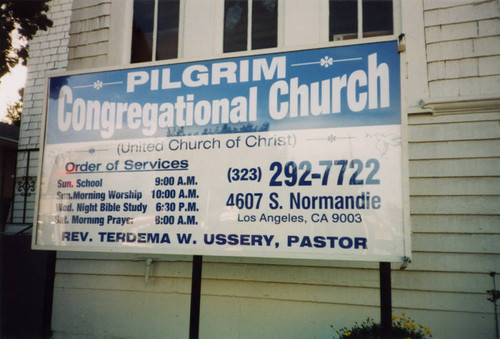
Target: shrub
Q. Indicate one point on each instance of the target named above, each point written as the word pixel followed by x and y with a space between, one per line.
pixel 402 328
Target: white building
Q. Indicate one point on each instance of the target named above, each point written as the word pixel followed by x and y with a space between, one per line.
pixel 450 80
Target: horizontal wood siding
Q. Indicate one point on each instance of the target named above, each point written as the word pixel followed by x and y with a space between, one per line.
pixel 463 47
pixel 454 205
pixel 89 34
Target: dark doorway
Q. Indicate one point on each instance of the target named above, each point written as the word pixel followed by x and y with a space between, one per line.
pixel 26 284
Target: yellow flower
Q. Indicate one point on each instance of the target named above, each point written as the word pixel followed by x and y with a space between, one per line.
pixel 427 331
pixel 348 333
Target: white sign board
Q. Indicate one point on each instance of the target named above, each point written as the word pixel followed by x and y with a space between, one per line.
pixel 291 155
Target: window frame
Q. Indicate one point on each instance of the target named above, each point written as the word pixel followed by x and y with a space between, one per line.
pixel 396 25
pixel 129 20
pixel 219 38
pixel 284 42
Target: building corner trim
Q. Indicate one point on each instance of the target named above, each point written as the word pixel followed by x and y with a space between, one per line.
pixel 462 105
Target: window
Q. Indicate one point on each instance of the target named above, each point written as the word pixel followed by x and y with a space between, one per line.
pixel 155 31
pixel 355 19
pixel 250 24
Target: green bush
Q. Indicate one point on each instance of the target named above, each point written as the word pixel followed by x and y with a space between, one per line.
pixel 402 328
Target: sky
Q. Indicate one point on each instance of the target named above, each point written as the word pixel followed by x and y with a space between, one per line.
pixel 12 82
pixel 9 87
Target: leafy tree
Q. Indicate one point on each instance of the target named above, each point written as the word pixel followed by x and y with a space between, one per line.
pixel 26 17
pixel 14 112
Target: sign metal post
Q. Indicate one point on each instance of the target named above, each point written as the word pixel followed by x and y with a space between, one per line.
pixel 194 322
pixel 385 298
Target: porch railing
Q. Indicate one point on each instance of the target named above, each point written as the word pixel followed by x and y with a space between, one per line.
pixel 23 191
